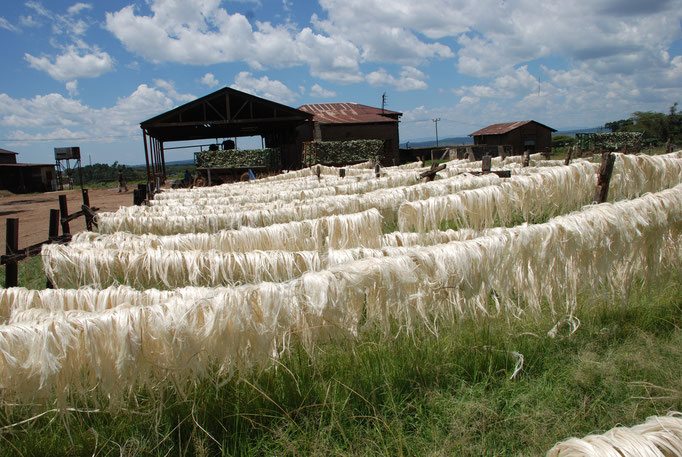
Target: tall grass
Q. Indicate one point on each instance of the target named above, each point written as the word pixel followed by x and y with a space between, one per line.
pixel 413 394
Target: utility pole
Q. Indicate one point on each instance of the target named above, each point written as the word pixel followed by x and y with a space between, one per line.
pixel 436 122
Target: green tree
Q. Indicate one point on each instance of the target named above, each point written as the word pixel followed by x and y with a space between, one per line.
pixel 619 126
pixel 675 124
pixel 559 141
pixel 657 127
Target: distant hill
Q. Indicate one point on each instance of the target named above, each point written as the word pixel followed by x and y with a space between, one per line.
pixel 173 162
pixel 453 141
pixel 181 162
pixel 458 140
pixel 585 130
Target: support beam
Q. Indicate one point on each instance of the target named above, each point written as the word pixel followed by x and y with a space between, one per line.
pixel 241 108
pixel 163 160
pixel 146 155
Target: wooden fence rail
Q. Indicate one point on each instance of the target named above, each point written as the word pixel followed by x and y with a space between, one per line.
pixel 13 255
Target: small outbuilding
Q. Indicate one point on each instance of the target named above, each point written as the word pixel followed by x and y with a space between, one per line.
pixel 521 136
pixel 25 177
pixel 353 121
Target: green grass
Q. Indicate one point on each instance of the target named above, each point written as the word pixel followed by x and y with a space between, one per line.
pixel 30 275
pixel 413 394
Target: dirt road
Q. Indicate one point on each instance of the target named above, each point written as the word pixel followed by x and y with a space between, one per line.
pixel 33 211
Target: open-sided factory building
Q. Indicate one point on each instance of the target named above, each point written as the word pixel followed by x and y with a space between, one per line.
pixel 226 113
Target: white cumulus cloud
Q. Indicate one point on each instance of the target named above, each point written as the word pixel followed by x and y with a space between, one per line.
pixel 210 80
pixel 320 92
pixel 72 88
pixel 264 87
pixel 410 78
pixel 74 63
pixel 200 32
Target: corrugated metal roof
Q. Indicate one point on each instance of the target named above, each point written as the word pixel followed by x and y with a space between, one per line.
pixel 348 113
pixel 501 129
pixel 26 165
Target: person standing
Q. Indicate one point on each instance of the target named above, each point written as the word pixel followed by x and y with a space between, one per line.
pixel 121 182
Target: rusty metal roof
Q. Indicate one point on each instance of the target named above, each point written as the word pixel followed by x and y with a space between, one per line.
pixel 349 113
pixel 501 129
pixel 26 165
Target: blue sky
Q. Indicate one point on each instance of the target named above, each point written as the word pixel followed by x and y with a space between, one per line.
pixel 86 74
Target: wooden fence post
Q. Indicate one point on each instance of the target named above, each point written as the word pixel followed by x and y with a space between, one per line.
pixel 568 155
pixel 52 234
pixel 377 169
pixel 54 224
pixel 486 164
pixel 64 212
pixel 86 202
pixel 604 177
pixel 526 158
pixel 142 190
pixel 342 173
pixel 11 247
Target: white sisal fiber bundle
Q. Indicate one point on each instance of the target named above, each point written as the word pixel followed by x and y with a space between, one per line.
pixel 71 267
pixel 362 165
pixel 185 334
pixel 608 244
pixel 337 195
pixel 139 265
pixel 352 230
pixel 18 300
pixel 118 349
pixel 553 191
pixel 386 200
pixel 636 174
pixel 400 239
pixel 520 268
pixel 348 230
pixel 251 187
pixel 267 199
pixel 659 436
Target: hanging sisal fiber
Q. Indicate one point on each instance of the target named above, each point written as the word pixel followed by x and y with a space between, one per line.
pixel 67 347
pixel 553 191
pixel 336 232
pixel 659 436
pixel 181 338
pixel 69 267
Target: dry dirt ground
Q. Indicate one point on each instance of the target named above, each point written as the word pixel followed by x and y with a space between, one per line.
pixel 33 211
